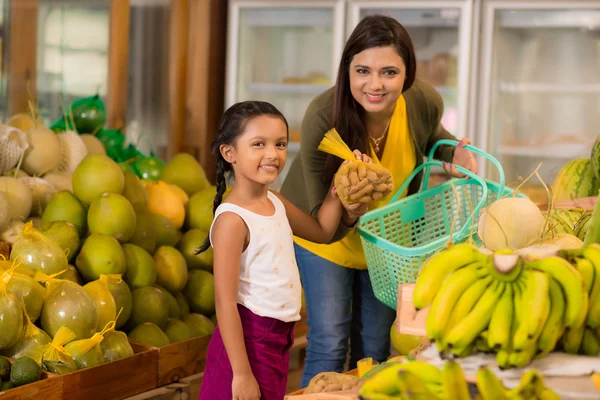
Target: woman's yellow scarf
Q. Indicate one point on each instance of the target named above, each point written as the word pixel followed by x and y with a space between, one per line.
pixel 400 159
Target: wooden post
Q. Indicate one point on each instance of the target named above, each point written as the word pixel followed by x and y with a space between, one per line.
pixel 178 48
pixel 116 102
pixel 22 54
pixel 206 78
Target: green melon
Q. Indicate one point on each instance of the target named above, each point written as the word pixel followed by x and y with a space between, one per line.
pixel 562 221
pixel 574 180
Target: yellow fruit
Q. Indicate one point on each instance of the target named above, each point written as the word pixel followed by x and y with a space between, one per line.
pixel 596 380
pixel 180 193
pixel 405 343
pixel 164 201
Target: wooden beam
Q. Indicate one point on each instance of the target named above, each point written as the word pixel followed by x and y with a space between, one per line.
pixel 178 48
pixel 206 79
pixel 22 54
pixel 118 61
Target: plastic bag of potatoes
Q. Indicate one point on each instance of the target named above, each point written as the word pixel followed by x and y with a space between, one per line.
pixel 327 382
pixel 356 181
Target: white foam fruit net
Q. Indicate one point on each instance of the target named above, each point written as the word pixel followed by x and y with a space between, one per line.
pixel 13 144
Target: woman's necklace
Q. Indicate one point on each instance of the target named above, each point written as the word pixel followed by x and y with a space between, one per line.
pixel 379 139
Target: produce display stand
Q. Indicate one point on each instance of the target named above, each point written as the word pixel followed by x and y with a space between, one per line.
pixel 49 386
pixel 343 395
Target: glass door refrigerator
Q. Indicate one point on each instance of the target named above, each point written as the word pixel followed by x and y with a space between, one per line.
pixel 441 34
pixel 539 87
pixel 283 52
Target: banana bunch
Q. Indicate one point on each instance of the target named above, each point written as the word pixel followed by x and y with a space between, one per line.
pixel 586 340
pixel 416 380
pixel 476 304
pixel 531 387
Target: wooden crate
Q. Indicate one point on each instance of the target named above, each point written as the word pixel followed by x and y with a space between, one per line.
pixel 49 386
pixel 182 359
pixel 114 380
pixel 326 396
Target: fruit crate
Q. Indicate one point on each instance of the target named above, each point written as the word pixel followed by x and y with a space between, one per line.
pixel 181 359
pixel 49 386
pixel 113 380
pixel 344 395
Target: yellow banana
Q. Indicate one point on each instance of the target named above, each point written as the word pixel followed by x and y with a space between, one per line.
pixel 592 254
pixel 572 284
pixel 380 396
pixel 446 298
pixel 596 380
pixel 547 394
pixel 383 382
pixel 572 340
pixel 462 352
pixel 509 276
pixel 590 345
pixel 554 326
pixel 498 335
pixel 481 343
pixel 412 387
pixel 535 311
pixel 502 359
pixel 426 372
pixel 477 320
pixel 587 271
pixel 438 267
pixel 454 383
pixel 519 359
pixel 467 301
pixel 489 386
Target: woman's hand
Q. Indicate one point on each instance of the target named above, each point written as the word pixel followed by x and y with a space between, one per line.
pixel 245 387
pixel 463 158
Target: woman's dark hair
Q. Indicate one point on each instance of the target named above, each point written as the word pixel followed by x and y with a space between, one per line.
pixel 348 115
pixel 232 125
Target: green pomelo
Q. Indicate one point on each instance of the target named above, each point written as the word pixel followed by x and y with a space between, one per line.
pixel 200 292
pixel 83 356
pixel 64 206
pixel 186 172
pixel 115 346
pixel 150 334
pixel 184 307
pixel 72 274
pixel 112 214
pixel 11 320
pixel 166 233
pixel 177 330
pixel 149 305
pixel 66 235
pixel 191 241
pixel 135 193
pixel 574 180
pixel 97 174
pixel 68 304
pixel 199 324
pixel 199 210
pixel 213 319
pixel 171 267
pixel 174 311
pixel 100 255
pixel 24 286
pixel 123 301
pixel 145 233
pixel 104 300
pixel 141 270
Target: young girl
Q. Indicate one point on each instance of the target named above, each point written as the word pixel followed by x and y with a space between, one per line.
pixel 257 284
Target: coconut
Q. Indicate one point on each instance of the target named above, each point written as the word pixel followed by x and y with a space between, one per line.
pixel 171 267
pixel 95 175
pixel 112 214
pixel 511 222
pixel 19 197
pixel 44 151
pixel 64 206
pixel 100 255
pixel 41 193
pixel 73 151
pixel 60 180
pixel 93 144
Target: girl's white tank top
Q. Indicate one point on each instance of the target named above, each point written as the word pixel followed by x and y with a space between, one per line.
pixel 269 281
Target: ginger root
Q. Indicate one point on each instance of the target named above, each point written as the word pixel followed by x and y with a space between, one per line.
pixel 359 182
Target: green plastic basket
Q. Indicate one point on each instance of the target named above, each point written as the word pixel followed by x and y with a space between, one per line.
pixel 399 237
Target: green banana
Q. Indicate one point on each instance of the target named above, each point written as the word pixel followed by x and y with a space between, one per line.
pixel 481 342
pixel 438 267
pixel 592 254
pixel 572 340
pixel 446 298
pixel 502 359
pixel 477 320
pixel 587 271
pixel 498 335
pixel 572 284
pixel 554 326
pixel 454 383
pixel 383 382
pixel 519 359
pixel 590 345
pixel 467 301
pixel 489 386
pixel 509 276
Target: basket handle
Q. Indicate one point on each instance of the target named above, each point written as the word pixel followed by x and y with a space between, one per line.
pixel 472 149
pixel 465 171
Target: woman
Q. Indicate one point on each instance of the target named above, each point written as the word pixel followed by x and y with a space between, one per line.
pixel 379 108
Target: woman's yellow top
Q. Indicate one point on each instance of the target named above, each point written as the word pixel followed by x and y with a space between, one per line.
pixel 399 158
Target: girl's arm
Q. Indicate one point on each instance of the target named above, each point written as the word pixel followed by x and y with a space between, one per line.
pixel 320 229
pixel 229 239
